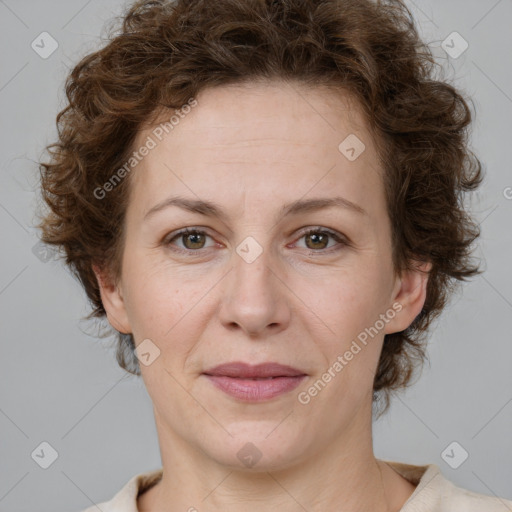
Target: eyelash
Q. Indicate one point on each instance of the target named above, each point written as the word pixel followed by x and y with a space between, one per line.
pixel 318 230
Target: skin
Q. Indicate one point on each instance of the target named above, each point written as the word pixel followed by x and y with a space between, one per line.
pixel 252 149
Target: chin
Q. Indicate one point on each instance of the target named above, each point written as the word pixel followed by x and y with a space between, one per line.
pixel 256 446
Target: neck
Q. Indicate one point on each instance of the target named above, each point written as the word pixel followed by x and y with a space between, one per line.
pixel 343 476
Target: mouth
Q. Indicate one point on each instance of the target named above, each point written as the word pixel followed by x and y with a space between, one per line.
pixel 255 383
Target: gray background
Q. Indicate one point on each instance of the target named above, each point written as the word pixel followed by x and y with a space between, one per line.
pixel 61 385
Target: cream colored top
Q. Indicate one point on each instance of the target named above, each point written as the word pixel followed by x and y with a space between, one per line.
pixel 433 493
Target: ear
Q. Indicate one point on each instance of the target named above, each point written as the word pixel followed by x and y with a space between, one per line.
pixel 112 299
pixel 409 296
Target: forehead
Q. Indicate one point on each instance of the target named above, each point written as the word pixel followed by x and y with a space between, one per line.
pixel 258 136
pixel 231 113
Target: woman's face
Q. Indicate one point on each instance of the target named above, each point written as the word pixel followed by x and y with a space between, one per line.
pixel 253 286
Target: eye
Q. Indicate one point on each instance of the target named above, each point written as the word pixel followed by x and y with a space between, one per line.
pixel 317 239
pixel 192 239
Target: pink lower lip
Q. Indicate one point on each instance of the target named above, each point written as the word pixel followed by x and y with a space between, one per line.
pixel 255 390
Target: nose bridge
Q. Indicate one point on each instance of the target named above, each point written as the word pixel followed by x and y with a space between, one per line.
pixel 252 263
pixel 254 298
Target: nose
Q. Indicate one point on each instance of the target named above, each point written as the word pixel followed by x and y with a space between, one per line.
pixel 255 298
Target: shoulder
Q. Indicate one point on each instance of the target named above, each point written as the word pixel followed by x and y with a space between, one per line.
pixel 453 497
pixel 126 499
pixel 434 492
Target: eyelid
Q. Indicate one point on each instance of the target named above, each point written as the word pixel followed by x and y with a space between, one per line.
pixel 189 230
pixel 338 237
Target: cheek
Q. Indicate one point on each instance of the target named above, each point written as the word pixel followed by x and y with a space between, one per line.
pixel 155 299
pixel 348 301
pixel 351 345
pixel 172 311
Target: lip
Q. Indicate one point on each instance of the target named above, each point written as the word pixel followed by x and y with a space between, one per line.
pixel 241 370
pixel 237 379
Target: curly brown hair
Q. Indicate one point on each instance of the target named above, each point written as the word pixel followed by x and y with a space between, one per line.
pixel 167 52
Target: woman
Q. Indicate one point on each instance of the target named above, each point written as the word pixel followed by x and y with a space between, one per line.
pixel 264 198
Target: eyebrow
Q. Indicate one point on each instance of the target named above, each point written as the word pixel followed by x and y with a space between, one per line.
pixel 211 209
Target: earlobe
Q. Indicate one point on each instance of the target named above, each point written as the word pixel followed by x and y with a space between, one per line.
pixel 410 292
pixel 113 302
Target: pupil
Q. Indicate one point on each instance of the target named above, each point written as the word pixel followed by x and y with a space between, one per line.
pixel 193 238
pixel 317 238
